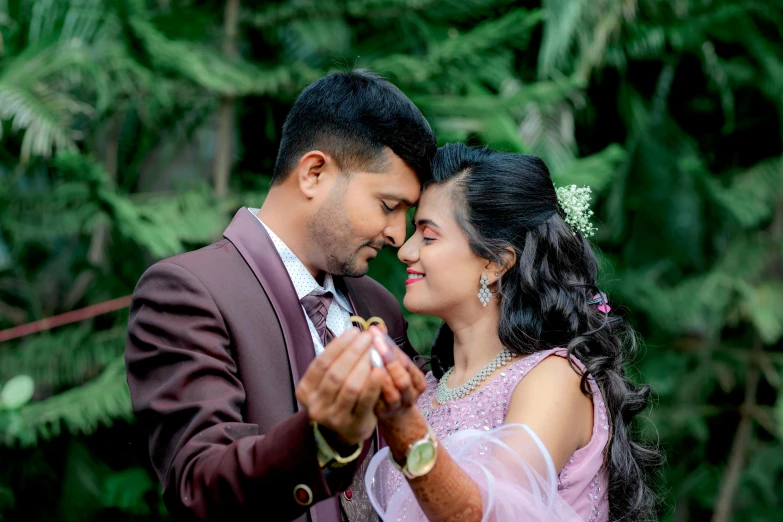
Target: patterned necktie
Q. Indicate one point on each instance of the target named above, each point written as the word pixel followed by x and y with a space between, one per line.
pixel 317 308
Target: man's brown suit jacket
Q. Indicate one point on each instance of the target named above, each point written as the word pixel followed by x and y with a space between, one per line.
pixel 217 342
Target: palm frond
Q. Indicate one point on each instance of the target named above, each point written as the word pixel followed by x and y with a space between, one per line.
pixel 79 410
pixel 90 486
pixel 700 305
pixel 278 15
pixel 35 99
pixel 465 49
pixel 595 171
pixel 64 357
pixel 167 223
pixel 211 70
pixel 763 306
pixel 564 20
pixel 548 131
pixel 44 115
pixel 752 195
pixel 74 20
pixel 514 98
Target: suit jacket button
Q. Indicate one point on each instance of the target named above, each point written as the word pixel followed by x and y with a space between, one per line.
pixel 303 495
pixel 348 494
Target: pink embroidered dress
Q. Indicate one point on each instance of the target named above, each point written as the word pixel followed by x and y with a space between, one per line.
pixel 509 463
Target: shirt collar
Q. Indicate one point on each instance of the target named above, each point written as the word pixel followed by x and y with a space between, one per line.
pixel 303 280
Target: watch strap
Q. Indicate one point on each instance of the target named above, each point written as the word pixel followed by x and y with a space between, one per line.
pixel 328 457
pixel 403 468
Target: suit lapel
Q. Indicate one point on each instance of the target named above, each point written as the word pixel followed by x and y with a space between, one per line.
pixel 358 304
pixel 250 238
pixel 252 241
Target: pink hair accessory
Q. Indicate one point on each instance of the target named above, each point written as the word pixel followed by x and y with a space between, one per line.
pixel 602 302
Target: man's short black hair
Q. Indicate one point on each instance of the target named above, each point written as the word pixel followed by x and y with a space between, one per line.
pixel 353 116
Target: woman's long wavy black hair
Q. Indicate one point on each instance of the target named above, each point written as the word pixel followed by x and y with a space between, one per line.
pixel 505 200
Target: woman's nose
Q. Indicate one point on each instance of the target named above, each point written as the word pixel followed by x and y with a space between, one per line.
pixel 408 253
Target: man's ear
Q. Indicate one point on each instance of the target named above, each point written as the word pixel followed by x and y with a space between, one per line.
pixel 495 270
pixel 313 170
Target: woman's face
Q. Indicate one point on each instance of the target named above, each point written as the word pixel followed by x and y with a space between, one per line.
pixel 443 272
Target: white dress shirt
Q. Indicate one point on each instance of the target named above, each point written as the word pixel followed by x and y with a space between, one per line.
pixel 338 317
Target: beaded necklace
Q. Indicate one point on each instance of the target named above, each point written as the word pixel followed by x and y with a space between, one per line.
pixel 446 394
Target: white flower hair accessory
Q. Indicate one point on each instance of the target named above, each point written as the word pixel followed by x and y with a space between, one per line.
pixel 574 202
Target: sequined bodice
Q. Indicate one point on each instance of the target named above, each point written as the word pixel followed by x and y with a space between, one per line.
pixel 582 481
pixel 484 409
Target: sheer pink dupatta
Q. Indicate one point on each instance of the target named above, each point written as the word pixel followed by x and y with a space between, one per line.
pixel 510 465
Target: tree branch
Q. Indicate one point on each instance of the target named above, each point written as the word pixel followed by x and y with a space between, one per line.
pixel 226 112
pixel 733 473
pixel 100 235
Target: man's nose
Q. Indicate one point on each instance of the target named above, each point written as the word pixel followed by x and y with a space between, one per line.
pixel 395 231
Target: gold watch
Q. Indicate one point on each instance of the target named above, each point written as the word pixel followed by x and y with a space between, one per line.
pixel 328 458
pixel 420 456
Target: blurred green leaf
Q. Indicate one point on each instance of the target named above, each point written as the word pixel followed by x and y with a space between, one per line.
pixel 17 392
pixel 596 171
pixel 126 490
pixel 80 410
pixel 752 195
pixel 764 306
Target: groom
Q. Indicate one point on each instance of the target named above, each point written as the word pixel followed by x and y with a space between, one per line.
pixel 219 338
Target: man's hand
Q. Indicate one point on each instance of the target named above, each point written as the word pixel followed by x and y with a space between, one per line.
pixel 340 388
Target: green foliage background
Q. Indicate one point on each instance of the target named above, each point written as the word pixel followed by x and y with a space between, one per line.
pixel 670 110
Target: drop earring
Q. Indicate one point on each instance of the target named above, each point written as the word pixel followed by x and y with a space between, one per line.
pixel 484 294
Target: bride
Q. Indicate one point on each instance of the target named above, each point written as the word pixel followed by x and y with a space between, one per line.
pixel 526 411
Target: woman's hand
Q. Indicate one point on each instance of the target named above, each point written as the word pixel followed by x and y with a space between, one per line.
pixel 405 381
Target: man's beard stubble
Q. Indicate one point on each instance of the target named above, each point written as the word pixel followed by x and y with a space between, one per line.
pixel 331 230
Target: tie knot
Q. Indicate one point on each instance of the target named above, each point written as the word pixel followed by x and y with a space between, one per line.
pixel 314 304
pixel 317 309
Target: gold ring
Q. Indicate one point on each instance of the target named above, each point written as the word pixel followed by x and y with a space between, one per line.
pixel 365 325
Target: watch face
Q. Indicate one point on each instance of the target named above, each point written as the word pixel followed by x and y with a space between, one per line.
pixel 421 458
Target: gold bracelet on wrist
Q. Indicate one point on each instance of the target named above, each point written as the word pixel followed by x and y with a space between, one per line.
pixel 328 458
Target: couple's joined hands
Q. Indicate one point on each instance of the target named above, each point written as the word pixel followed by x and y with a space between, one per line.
pixel 344 393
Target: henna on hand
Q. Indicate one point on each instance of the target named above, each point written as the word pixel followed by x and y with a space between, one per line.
pixel 446 493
